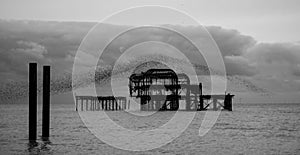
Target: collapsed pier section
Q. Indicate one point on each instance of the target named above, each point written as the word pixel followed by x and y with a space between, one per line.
pixel 97 103
pixel 162 89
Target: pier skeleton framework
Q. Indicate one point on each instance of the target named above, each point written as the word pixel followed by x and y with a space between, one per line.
pixel 161 89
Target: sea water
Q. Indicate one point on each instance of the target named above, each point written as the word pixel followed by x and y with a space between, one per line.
pixel 248 129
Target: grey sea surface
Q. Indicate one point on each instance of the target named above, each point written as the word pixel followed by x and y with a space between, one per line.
pixel 248 129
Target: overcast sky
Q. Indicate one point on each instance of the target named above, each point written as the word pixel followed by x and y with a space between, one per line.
pixel 265 20
pixel 259 39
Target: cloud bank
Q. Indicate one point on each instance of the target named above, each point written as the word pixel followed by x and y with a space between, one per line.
pixel 56 43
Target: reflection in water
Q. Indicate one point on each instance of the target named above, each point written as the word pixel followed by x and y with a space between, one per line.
pixel 43 146
pixel 46 144
pixel 32 146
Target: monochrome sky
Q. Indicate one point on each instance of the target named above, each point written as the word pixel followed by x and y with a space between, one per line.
pixel 259 40
pixel 267 20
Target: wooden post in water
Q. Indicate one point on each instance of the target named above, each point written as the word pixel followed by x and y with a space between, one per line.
pixel 91 106
pixel 215 104
pixel 188 99
pixel 102 104
pixel 32 101
pixel 116 104
pixel 201 103
pixel 109 104
pixel 112 104
pixel 124 104
pixel 81 104
pixel 128 106
pixel 46 102
pixel 94 104
pixel 76 103
pixel 106 104
pixel 99 102
pixel 86 104
pixel 121 104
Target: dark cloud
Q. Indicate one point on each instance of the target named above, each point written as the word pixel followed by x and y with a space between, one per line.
pixel 42 42
pixel 56 43
pixel 231 42
pixel 276 53
pixel 238 65
pixel 277 58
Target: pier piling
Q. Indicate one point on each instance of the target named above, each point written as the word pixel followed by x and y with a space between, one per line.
pixel 96 103
pixel 46 102
pixel 32 101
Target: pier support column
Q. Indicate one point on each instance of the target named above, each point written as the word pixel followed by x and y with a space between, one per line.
pixel 144 105
pixel 116 104
pixel 109 104
pixel 188 100
pixel 98 104
pixel 86 105
pixel 128 106
pixel 125 103
pixel 46 102
pixel 32 101
pixel 201 103
pixel 228 102
pixel 81 104
pixel 215 104
pixel 119 102
pixel 76 104
pixel 91 105
pixel 94 104
pixel 105 103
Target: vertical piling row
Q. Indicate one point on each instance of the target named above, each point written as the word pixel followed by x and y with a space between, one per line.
pixel 32 120
pixel 97 103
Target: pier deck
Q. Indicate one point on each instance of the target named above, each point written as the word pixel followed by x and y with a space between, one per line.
pixel 96 103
